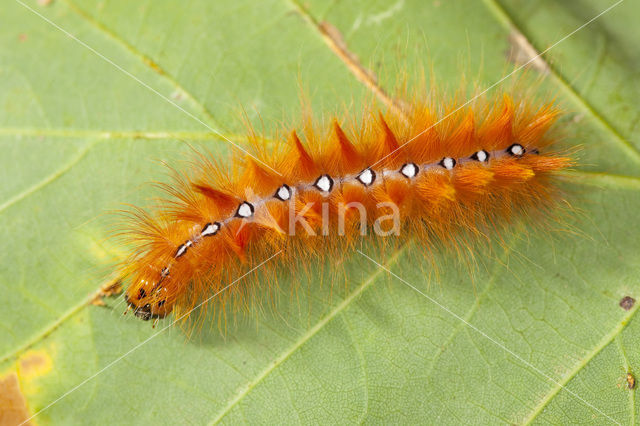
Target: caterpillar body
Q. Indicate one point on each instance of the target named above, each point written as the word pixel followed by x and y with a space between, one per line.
pixel 442 177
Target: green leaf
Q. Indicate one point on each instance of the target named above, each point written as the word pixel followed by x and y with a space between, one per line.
pixel 538 336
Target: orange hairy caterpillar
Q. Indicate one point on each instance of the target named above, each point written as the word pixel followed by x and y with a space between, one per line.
pixel 434 176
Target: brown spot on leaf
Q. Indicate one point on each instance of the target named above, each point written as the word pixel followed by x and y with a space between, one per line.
pixel 13 405
pixel 33 362
pixel 335 41
pixel 45 2
pixel 22 37
pixel 631 381
pixel 333 38
pixel 627 302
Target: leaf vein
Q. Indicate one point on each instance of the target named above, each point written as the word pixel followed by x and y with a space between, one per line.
pixel 244 390
pixel 334 41
pixel 561 384
pixel 508 22
pixel 49 179
pixel 144 59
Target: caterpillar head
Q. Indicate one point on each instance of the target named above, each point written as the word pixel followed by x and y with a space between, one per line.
pixel 149 296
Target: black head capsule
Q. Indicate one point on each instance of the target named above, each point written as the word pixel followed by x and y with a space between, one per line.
pixel 516 150
pixel 409 170
pixel 245 210
pixel 283 193
pixel 324 183
pixel 481 156
pixel 448 163
pixel 144 313
pixel 367 177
